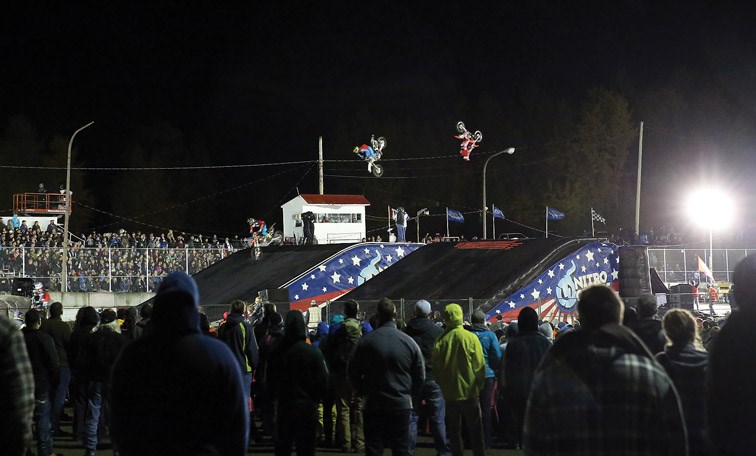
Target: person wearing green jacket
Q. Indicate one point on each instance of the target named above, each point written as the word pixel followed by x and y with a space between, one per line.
pixel 460 369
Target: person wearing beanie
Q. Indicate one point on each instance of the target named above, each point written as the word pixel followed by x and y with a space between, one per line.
pixel 101 349
pixel 492 356
pixel 424 332
pixel 649 326
pixel 44 363
pixel 176 391
pixel 460 370
pixel 60 331
pixel 350 433
pixel 521 358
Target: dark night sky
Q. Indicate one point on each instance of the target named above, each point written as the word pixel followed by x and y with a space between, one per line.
pixel 258 82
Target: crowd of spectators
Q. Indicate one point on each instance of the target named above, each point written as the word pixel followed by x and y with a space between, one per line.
pixel 118 261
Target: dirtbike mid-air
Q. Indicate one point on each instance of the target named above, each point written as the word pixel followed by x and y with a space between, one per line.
pixel 372 154
pixel 469 140
pixel 262 236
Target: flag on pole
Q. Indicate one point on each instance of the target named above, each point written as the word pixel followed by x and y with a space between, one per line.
pixel 596 217
pixel 497 213
pixel 454 216
pixel 554 214
pixel 705 269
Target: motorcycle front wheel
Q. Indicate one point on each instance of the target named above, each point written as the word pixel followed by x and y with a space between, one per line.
pixel 377 170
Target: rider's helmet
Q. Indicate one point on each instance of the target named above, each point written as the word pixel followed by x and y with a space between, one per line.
pixel 356 149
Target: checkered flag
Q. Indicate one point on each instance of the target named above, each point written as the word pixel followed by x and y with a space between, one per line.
pixel 596 217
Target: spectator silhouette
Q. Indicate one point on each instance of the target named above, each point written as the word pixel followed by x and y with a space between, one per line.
pixel 16 390
pixel 492 356
pixel 732 370
pixel 60 332
pixel 386 367
pixel 298 379
pixel 598 390
pixel 86 320
pixel 190 399
pixel 648 327
pixel 685 363
pixel 44 363
pixel 424 332
pixel 521 359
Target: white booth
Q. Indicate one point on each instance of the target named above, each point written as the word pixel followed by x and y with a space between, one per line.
pixel 338 218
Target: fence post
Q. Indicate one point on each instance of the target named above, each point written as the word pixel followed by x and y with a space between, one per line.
pixel 110 270
pixel 470 306
pixel 23 261
pixel 147 270
pixel 401 309
pixel 186 258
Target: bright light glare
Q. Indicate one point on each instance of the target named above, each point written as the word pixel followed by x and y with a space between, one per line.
pixel 711 208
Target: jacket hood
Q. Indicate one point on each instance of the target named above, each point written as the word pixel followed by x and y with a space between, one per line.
pixel 687 356
pixel 322 329
pixel 176 309
pixel 295 328
pixel 453 315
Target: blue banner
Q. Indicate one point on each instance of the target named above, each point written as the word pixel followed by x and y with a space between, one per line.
pixel 498 214
pixel 454 216
pixel 555 214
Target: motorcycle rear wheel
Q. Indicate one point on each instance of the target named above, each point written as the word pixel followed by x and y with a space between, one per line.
pixel 377 170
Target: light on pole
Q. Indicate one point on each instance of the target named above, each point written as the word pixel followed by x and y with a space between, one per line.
pixel 713 210
pixel 509 151
pixel 67 203
pixel 423 211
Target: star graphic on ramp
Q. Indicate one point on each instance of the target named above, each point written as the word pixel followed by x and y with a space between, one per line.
pixel 561 266
pixel 551 274
pixel 322 268
pixel 312 276
pixel 367 251
pixel 336 277
pixel 589 255
pixel 389 259
pixel 606 260
pixel 399 252
pixel 535 294
pixel 511 305
pixel 324 289
pixel 582 268
pixel 540 282
pixel 296 297
pixel 522 296
pixel 341 261
pixel 304 286
pixel 356 260
pixel 548 290
pixel 615 274
pixel 350 280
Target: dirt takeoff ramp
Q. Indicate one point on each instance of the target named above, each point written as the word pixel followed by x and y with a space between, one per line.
pixel 297 275
pixel 500 276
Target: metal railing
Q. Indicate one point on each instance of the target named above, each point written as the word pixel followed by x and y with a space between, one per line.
pixel 112 269
pixel 678 265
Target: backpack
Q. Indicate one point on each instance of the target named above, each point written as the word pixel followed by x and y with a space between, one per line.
pixel 347 337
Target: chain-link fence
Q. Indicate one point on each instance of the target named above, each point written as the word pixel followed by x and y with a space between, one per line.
pixel 678 265
pixel 110 269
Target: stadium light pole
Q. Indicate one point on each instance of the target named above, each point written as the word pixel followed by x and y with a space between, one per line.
pixel 709 198
pixel 67 203
pixel 509 151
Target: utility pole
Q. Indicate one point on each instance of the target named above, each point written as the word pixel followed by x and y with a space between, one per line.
pixel 320 164
pixel 638 188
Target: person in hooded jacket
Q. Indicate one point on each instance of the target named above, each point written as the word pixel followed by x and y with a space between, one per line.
pixel 140 328
pixel 189 399
pixel 460 370
pixel 263 399
pixel 685 363
pixel 101 349
pixel 86 320
pixel 521 359
pixel 648 326
pixel 297 379
pixel 492 356
pixel 238 335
